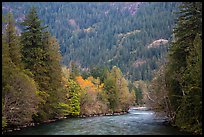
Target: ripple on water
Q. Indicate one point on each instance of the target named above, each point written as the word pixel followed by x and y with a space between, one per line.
pixel 134 123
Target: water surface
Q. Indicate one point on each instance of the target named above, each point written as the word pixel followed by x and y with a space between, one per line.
pixel 136 122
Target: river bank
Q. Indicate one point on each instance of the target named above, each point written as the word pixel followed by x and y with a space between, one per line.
pixel 136 122
pixel 17 128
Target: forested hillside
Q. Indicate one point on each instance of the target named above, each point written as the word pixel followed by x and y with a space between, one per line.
pixel 132 36
pixel 176 88
pixel 68 59
pixel 37 88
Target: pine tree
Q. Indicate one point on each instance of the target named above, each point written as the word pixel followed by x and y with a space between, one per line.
pixel 13 40
pixel 6 71
pixel 110 88
pixel 54 73
pixel 34 54
pixel 183 73
pixel 32 42
pixel 19 99
pixel 42 57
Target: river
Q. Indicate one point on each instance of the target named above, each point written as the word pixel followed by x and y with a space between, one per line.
pixel 136 122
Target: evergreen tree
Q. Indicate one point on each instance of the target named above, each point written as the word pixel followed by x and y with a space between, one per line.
pixel 13 40
pixel 41 57
pixel 6 70
pixel 110 88
pixel 74 70
pixel 32 41
pixel 19 98
pixel 117 90
pixel 34 54
pixel 183 72
pixel 54 83
pixel 87 26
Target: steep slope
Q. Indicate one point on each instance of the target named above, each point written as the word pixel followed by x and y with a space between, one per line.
pixel 107 33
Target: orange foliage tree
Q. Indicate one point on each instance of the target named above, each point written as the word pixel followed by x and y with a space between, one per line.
pixel 93 99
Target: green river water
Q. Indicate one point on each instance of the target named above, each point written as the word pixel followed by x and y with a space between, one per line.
pixel 136 122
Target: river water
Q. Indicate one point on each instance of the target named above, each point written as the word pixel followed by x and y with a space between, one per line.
pixel 136 122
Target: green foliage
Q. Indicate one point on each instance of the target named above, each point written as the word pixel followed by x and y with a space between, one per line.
pixel 189 115
pixel 39 86
pixel 18 104
pixel 64 108
pixel 4 121
pixel 191 104
pixel 32 41
pixel 74 70
pixel 184 68
pixel 110 88
pixel 41 57
pixel 53 73
pixel 117 90
pixel 72 98
pixel 99 72
pixel 139 96
pixel 91 29
pixel 13 41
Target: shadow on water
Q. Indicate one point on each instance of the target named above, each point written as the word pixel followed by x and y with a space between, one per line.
pixel 136 122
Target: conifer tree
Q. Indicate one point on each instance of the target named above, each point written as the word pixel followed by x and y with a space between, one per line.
pixel 183 73
pixel 13 40
pixel 42 57
pixel 19 99
pixel 117 90
pixel 54 73
pixel 33 53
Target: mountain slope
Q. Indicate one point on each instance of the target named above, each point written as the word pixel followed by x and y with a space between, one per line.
pixel 109 34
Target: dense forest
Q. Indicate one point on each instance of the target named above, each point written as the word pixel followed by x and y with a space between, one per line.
pixel 37 88
pixel 177 86
pixel 83 59
pixel 133 36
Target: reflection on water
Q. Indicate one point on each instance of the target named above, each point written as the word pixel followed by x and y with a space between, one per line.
pixel 136 122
